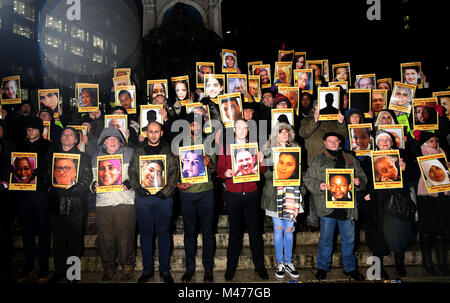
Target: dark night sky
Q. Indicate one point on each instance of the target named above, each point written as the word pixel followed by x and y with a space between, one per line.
pixel 339 31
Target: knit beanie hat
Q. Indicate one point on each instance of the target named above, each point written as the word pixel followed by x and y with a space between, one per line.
pixel 281 98
pixel 34 122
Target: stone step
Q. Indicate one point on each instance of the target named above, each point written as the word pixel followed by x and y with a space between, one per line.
pixel 222 236
pixel 303 257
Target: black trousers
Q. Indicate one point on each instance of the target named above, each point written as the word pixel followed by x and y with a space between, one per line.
pixel 6 219
pixel 67 239
pixel 243 211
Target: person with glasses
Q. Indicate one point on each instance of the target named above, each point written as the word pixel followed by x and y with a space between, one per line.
pixel 68 206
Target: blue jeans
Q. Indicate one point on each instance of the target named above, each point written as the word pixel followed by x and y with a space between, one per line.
pixel 347 234
pixel 283 239
pixel 198 207
pixel 153 213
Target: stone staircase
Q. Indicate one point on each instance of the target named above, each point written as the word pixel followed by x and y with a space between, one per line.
pixel 304 255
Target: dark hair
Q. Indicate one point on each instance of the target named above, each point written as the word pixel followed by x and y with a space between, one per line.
pixel 295 174
pixel 124 91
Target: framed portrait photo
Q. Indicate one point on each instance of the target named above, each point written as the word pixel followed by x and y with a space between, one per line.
pixel 120 72
pixel 384 83
pixel 292 93
pixel 152 172
pixel 122 81
pixel 341 72
pixel 286 166
pixel 157 87
pixel 202 69
pixel 435 172
pixel 360 99
pixel 125 96
pixel 82 130
pixel 202 110
pixel 250 66
pixel 49 98
pixel 411 73
pixel 148 114
pixel 285 115
pixel 87 97
pixel 402 96
pixel 118 121
pixel 236 83
pixel 192 168
pixel 303 79
pixel 361 141
pixel 317 67
pixel 299 60
pixel 230 106
pixel 22 176
pixel 386 169
pixel 444 100
pixel 329 102
pixel 343 85
pixel 254 88
pixel 425 116
pixel 229 61
pixel 46 132
pixel 109 173
pixel 214 86
pixel 181 87
pixel 65 169
pixel 244 162
pixel 395 130
pixel 282 74
pixel 11 90
pixel 366 81
pixel 263 71
pixel 340 191
pixel 286 56
pixel 379 100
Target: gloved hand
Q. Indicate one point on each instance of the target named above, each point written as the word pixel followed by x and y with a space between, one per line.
pixel 417 135
pixel 142 192
pixel 160 195
pixel 441 110
pixel 127 184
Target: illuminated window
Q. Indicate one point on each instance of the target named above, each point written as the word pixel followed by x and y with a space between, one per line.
pixel 77 33
pixel 22 30
pixel 24 9
pixel 97 42
pixel 53 23
pixel 52 41
pixel 97 58
pixel 76 50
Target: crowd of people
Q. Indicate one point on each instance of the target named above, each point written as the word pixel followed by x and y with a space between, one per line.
pixel 109 178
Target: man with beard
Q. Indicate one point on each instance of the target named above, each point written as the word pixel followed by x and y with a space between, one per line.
pixel 245 163
pixel 154 211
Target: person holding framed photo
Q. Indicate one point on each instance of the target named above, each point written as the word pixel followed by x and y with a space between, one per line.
pixel 154 211
pixel 68 205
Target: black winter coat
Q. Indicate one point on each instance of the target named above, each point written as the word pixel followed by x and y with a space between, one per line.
pixel 72 201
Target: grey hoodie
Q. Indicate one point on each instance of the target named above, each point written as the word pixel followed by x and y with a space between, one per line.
pixel 121 197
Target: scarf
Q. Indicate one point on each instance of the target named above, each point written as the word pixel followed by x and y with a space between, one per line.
pixel 289 202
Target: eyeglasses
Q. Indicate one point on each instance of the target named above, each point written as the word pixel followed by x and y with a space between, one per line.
pixel 63 168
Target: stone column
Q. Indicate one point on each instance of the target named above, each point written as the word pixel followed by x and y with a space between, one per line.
pixel 215 16
pixel 149 16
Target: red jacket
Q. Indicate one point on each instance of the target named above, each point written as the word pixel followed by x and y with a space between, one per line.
pixel 224 163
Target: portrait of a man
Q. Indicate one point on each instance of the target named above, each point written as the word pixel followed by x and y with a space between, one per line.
pixel 245 162
pixel 230 109
pixel 65 171
pixel 152 173
pixel 402 96
pixel 329 104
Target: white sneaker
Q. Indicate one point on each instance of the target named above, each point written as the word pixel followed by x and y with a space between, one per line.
pixel 280 271
pixel 289 267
